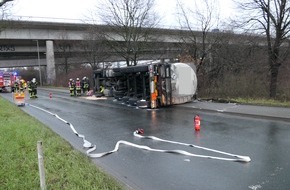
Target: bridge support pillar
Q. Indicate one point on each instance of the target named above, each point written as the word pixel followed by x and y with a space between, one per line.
pixel 50 69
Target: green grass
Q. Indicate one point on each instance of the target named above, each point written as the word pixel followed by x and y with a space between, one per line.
pixel 251 101
pixel 262 102
pixel 65 167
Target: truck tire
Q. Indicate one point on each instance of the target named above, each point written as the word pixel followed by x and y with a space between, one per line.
pixel 143 104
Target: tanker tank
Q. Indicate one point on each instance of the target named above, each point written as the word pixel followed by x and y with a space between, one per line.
pixel 183 83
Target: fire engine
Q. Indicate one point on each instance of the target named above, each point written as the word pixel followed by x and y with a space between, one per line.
pixel 151 85
pixel 7 81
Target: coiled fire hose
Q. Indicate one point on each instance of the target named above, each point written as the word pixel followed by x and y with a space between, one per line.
pixel 138 133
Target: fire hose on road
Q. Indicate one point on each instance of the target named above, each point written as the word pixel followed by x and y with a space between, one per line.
pixel 138 133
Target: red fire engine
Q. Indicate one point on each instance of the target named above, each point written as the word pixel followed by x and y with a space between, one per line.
pixel 7 81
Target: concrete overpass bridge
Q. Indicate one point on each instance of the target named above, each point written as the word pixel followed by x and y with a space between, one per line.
pixel 26 43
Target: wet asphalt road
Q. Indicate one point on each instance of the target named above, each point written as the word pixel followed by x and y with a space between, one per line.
pixel 105 122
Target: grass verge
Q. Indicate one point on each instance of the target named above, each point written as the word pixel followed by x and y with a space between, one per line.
pixel 262 102
pixel 251 101
pixel 65 167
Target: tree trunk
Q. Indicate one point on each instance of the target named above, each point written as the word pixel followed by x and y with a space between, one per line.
pixel 274 69
pixel 66 65
pixel 128 62
pixel 273 80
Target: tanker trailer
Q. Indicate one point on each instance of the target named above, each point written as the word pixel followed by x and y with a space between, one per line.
pixel 148 86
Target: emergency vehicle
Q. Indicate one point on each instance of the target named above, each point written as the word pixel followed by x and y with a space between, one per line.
pixel 151 85
pixel 7 81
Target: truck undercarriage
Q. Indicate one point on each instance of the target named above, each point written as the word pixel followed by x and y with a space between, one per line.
pixel 144 86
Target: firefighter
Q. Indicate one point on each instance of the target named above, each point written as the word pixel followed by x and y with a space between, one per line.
pixel 85 85
pixel 102 89
pixel 78 87
pixel 24 83
pixel 88 82
pixel 21 85
pixel 32 88
pixel 71 85
pixel 29 87
pixel 16 86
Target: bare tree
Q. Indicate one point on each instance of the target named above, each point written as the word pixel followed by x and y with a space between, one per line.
pixel 130 22
pixel 3 2
pixel 271 18
pixel 199 20
pixel 239 67
pixel 95 49
pixel 4 13
pixel 63 49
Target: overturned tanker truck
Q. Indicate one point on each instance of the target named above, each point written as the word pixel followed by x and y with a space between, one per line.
pixel 151 85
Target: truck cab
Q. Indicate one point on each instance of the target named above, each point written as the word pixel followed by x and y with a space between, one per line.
pixel 7 80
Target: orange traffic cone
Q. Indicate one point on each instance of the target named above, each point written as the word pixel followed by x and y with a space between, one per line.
pixel 197 122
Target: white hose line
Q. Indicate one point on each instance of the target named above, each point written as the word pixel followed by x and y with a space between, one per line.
pixel 86 144
pixel 239 157
pixel 91 147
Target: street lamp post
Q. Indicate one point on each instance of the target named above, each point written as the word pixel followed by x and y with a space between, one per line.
pixel 38 59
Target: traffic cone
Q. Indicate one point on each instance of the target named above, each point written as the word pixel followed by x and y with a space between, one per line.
pixel 197 123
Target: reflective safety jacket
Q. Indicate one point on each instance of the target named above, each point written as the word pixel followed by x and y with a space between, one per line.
pixel 71 85
pixel 78 85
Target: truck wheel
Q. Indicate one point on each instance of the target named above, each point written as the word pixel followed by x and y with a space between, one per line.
pixel 143 104
pixel 132 101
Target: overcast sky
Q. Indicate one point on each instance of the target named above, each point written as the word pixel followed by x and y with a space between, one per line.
pixel 79 9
